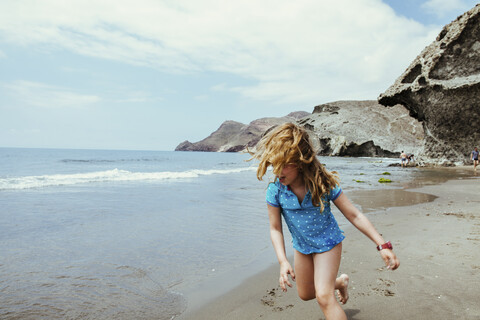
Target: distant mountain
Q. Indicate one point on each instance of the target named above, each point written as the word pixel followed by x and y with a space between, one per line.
pixel 233 136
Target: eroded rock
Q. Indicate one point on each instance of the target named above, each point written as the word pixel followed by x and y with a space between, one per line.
pixel 441 88
pixel 363 129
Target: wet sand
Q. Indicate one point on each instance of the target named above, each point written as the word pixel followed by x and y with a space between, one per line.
pixel 436 235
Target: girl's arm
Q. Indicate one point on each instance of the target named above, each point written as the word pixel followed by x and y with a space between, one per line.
pixel 360 221
pixel 276 235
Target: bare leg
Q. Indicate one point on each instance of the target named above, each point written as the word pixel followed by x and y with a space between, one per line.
pixel 307 270
pixel 304 271
pixel 326 266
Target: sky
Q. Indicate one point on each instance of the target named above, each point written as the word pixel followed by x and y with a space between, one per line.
pixel 150 74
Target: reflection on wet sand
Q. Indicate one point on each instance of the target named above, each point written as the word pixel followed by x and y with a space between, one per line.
pixel 370 200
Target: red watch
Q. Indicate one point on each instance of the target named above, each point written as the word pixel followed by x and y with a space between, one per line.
pixel 386 245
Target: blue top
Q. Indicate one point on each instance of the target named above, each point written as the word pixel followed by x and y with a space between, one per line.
pixel 312 231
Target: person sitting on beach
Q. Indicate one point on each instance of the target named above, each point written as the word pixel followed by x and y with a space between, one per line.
pixel 474 157
pixel 302 192
pixel 403 156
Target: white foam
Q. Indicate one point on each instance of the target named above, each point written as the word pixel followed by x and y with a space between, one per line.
pixel 29 182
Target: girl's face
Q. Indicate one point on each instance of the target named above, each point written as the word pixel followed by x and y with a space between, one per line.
pixel 289 175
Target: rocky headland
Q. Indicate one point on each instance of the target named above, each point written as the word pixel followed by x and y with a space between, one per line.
pixel 234 136
pixel 363 129
pixel 441 89
pixel 433 109
pixel 342 128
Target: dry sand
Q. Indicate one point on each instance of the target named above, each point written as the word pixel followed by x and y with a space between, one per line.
pixel 437 242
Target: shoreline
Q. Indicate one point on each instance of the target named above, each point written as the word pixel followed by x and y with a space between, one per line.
pixel 434 237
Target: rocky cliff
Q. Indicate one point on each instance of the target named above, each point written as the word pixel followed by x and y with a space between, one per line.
pixel 363 128
pixel 342 128
pixel 441 88
pixel 234 136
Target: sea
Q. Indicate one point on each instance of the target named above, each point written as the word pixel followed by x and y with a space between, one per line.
pixel 102 234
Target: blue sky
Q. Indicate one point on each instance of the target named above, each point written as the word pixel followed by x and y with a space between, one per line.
pixel 149 74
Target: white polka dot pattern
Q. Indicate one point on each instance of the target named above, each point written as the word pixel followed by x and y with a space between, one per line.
pixel 312 230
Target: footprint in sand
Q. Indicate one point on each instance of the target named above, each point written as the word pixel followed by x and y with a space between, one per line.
pixel 384 287
pixel 277 309
pixel 269 301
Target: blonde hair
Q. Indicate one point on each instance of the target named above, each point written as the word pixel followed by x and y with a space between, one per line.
pixel 290 144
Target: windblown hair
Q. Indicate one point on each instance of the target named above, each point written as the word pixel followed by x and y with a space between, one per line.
pixel 290 144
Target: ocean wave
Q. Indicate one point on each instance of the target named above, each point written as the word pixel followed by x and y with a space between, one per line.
pixel 89 160
pixel 114 160
pixel 115 175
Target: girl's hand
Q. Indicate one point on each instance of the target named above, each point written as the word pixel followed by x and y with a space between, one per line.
pixel 391 260
pixel 285 270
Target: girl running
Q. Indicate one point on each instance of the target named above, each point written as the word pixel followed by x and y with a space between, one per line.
pixel 301 193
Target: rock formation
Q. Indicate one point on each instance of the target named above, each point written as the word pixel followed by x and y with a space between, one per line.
pixel 441 88
pixel 342 128
pixel 363 128
pixel 234 136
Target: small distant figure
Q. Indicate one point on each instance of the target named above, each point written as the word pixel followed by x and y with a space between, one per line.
pixel 403 156
pixel 410 157
pixel 474 158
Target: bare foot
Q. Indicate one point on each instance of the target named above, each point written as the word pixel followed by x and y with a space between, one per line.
pixel 342 288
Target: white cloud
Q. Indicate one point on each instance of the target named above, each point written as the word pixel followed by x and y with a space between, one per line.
pixel 304 51
pixel 45 96
pixel 135 97
pixel 443 8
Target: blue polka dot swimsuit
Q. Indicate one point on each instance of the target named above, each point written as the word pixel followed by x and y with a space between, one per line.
pixel 312 231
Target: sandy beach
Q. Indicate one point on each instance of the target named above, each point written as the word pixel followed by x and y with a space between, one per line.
pixel 437 242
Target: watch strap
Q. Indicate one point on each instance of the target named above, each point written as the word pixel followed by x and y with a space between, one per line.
pixel 386 245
